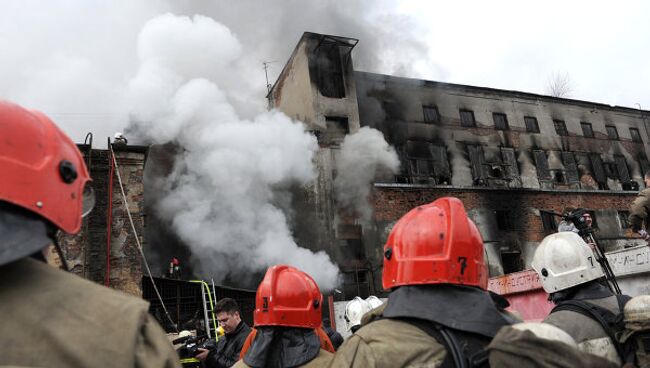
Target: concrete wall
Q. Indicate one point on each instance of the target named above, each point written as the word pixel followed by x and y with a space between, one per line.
pixel 86 253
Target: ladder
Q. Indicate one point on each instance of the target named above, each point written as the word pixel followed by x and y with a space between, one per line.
pixel 208 308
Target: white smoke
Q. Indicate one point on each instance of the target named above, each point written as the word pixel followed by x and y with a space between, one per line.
pixel 218 197
pixel 363 156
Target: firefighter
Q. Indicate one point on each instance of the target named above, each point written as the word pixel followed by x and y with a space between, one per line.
pixel 636 336
pixel 51 317
pixel 540 345
pixel 438 312
pixel 585 308
pixel 288 310
pixel 354 311
pixel 640 211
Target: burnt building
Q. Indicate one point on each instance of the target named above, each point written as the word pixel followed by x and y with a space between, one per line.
pixel 514 158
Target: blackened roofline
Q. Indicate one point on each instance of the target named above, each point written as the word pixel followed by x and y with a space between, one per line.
pixel 503 92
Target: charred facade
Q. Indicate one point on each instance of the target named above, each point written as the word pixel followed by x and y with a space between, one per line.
pixel 513 157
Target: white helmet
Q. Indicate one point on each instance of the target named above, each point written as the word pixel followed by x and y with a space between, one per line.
pixel 373 302
pixel 564 260
pixel 546 331
pixel 637 309
pixel 354 310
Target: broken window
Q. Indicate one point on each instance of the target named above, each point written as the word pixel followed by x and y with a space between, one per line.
pixel 541 163
pixel 622 218
pixel 504 220
pixel 548 221
pixel 440 164
pixel 636 137
pixel 510 165
pixel 598 170
pixel 531 124
pixel 431 114
pixel 570 167
pixel 587 130
pixel 560 127
pixel 330 71
pixel 623 170
pixel 476 158
pixel 428 162
pixel 612 133
pixel 500 121
pixel 467 118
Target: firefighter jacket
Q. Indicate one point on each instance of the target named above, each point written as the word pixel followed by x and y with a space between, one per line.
pixel 51 318
pixel 640 211
pixel 228 347
pixel 588 333
pixel 284 347
pixel 393 340
pixel 512 348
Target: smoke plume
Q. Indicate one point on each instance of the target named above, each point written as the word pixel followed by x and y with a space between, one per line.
pixel 219 194
pixel 364 155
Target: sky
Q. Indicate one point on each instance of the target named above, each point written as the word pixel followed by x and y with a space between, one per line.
pixel 74 59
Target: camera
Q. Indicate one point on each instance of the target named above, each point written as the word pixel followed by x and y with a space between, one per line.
pixel 577 218
pixel 192 344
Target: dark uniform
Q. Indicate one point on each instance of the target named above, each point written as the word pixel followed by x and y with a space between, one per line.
pixel 640 211
pixel 228 348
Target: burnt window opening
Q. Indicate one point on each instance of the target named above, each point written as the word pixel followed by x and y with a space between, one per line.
pixel 612 133
pixel 531 124
pixel 330 71
pixel 572 176
pixel 610 170
pixel 511 261
pixel 496 172
pixel 558 177
pixel 336 129
pixel 541 164
pixel 549 221
pixel 504 220
pixel 500 121
pixel 636 137
pixel 560 127
pixel 431 114
pixel 587 129
pixel 623 219
pixel 631 186
pixel 598 171
pixel 493 167
pixel 622 169
pixel 467 118
pixel 427 163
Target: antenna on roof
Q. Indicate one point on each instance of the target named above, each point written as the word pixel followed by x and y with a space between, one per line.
pixel 266 72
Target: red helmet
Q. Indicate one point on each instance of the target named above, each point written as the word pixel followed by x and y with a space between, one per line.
pixel 42 169
pixel 288 297
pixel 435 244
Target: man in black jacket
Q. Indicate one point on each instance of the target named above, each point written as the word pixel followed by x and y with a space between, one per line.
pixel 230 344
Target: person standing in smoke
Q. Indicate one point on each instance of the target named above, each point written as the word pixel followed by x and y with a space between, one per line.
pixel 51 318
pixel 438 312
pixel 288 312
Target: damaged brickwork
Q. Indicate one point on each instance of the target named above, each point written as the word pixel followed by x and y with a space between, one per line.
pixel 86 252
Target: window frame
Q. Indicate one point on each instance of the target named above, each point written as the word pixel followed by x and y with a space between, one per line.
pixel 610 129
pixel 636 137
pixel 584 124
pixel 462 121
pixel 549 216
pixel 556 122
pixel 534 120
pixel 505 120
pixel 424 114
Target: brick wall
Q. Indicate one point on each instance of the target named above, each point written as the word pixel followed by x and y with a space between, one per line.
pixel 86 252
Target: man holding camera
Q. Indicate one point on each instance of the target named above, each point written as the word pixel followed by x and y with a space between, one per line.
pixel 230 344
pixel 640 209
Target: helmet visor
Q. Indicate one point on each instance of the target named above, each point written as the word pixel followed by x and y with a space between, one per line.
pixel 88 200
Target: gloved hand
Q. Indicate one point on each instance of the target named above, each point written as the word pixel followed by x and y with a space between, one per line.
pixel 644 234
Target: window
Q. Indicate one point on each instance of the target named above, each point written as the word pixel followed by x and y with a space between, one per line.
pixel 500 121
pixel 467 118
pixel 548 221
pixel 612 133
pixel 587 130
pixel 560 127
pixel 531 124
pixel 330 71
pixel 431 114
pixel 622 217
pixel 504 220
pixel 636 137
